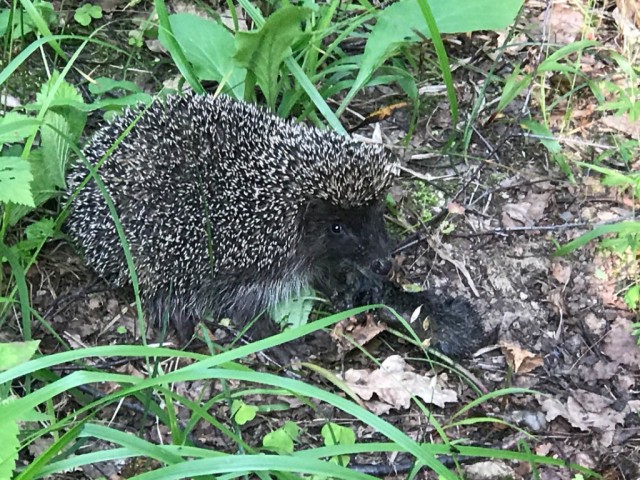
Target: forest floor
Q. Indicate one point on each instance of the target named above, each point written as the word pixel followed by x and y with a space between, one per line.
pixel 558 324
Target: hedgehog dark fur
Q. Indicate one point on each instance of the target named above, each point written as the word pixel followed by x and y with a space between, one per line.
pixel 228 209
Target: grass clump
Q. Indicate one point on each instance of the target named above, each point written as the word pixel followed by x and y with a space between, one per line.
pixel 293 61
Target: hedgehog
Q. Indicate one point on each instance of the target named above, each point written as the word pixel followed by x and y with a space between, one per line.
pixel 228 209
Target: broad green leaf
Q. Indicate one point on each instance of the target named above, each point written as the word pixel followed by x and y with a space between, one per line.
pixel 295 311
pixel 61 125
pixel 35 234
pixel 41 187
pixel 165 31
pixel 15 179
pixel 291 428
pixel 9 444
pixel 22 24
pixel 263 51
pixel 278 441
pixel 15 127
pixel 632 297
pixel 16 353
pixel 242 413
pixel 208 47
pixel 403 23
pixel 41 15
pixel 335 434
pixel 86 13
pixel 5 13
pixel 41 229
pixel 281 440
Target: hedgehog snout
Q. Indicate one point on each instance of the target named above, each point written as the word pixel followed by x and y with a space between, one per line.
pixel 381 266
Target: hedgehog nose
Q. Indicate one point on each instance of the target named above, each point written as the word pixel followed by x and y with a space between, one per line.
pixel 381 266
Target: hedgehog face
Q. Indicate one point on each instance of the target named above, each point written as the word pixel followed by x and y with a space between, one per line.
pixel 346 239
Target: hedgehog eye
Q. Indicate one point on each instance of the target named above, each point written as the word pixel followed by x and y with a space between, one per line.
pixel 336 228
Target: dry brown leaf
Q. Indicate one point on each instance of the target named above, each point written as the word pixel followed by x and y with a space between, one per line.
pixel 620 345
pixel 543 448
pixel 630 9
pixel 556 298
pixel 455 208
pixel 588 412
pixel 601 370
pixel 561 271
pixel 526 213
pixel 596 324
pixel 111 5
pixel 395 383
pixel 621 123
pixel 350 330
pixel 565 22
pixel 520 360
pixel 489 469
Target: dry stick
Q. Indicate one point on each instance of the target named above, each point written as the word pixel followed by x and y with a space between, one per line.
pixel 546 228
pixel 421 234
pixel 451 460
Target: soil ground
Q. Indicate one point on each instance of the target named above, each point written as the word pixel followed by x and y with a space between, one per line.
pixel 559 326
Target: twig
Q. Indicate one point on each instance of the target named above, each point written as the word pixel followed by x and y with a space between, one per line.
pixel 545 228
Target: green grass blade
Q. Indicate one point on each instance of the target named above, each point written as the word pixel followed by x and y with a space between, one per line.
pixel 174 47
pixel 443 59
pixel 42 26
pixel 34 469
pixel 622 228
pixel 23 290
pixel 242 465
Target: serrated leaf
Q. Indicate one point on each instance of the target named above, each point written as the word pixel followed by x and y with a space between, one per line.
pixel 15 181
pixel 16 353
pixel 41 187
pixel 35 234
pixel 9 444
pixel 294 311
pixel 263 51
pixel 61 125
pixel 40 230
pixel 632 297
pixel 207 46
pixel 67 102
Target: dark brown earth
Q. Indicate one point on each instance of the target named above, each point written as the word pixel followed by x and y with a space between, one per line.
pixel 560 329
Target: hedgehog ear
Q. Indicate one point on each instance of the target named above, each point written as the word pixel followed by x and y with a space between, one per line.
pixel 315 206
pixel 316 214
